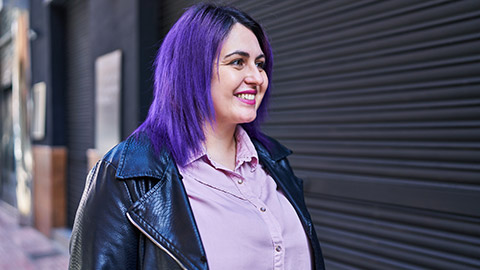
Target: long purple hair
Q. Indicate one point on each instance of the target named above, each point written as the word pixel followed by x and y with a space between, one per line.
pixel 183 71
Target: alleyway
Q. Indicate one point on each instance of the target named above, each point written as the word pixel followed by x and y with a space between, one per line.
pixel 26 248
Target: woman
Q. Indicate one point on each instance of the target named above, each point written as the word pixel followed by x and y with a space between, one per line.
pixel 198 186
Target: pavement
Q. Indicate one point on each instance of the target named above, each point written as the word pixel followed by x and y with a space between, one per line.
pixel 23 247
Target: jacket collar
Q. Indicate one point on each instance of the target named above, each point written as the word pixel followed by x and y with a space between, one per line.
pixel 139 159
pixel 272 152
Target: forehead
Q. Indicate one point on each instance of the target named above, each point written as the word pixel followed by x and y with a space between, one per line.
pixel 241 38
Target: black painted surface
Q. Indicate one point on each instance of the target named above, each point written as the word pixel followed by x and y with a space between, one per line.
pixel 149 40
pixel 48 65
pixel 80 102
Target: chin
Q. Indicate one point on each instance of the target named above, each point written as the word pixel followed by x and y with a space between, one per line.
pixel 248 120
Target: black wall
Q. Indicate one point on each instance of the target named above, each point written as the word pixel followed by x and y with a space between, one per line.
pixel 114 25
pixel 149 40
pixel 48 65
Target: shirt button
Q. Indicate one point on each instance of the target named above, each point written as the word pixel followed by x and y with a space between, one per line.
pixel 278 248
pixel 240 181
pixel 263 209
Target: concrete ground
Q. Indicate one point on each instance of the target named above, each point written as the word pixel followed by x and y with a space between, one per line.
pixel 23 247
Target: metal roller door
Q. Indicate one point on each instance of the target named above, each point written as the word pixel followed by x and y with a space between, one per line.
pixel 79 100
pixel 380 102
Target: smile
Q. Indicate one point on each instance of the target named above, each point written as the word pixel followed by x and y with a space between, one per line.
pixel 247 97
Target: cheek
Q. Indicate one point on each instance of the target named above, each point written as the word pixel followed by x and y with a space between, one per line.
pixel 265 80
pixel 217 88
pixel 264 86
pixel 260 96
pixel 225 83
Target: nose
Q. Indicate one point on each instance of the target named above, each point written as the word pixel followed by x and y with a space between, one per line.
pixel 254 76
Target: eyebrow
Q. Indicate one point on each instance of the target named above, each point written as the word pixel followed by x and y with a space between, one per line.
pixel 244 54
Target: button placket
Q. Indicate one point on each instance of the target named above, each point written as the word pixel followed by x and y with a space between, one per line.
pixel 239 178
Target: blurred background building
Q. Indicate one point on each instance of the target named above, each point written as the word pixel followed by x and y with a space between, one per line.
pixel 379 100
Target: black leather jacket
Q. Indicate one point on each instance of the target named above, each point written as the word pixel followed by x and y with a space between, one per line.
pixel 135 213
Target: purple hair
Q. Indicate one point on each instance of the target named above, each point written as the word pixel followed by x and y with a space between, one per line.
pixel 183 72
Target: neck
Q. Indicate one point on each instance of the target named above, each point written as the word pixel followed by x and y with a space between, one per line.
pixel 220 144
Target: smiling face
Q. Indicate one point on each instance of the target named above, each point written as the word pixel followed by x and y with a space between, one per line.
pixel 239 83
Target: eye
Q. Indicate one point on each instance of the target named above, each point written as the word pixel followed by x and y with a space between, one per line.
pixel 260 65
pixel 237 62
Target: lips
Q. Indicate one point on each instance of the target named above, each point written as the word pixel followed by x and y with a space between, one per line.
pixel 247 96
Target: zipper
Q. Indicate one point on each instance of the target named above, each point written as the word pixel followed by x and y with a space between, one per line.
pixel 156 242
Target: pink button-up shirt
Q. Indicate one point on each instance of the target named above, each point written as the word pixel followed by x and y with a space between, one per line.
pixel 244 220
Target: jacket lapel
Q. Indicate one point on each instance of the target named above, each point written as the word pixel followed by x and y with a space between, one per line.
pixel 163 213
pixel 275 162
pixel 285 180
pixel 277 166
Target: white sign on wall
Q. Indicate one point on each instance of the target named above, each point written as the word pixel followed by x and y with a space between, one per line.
pixel 39 110
pixel 108 76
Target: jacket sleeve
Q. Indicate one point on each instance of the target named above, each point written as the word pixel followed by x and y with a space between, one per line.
pixel 102 236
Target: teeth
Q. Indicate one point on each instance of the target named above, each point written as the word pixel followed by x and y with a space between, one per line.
pixel 247 96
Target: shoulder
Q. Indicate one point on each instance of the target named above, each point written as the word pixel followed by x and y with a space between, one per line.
pixel 122 176
pixel 113 156
pixel 130 164
pixel 136 157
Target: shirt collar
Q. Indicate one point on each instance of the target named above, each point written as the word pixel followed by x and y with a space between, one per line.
pixel 246 152
pixel 196 156
pixel 245 149
pixel 136 156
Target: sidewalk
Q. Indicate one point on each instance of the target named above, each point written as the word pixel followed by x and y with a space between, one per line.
pixel 26 248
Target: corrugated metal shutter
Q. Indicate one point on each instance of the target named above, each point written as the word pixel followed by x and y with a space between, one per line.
pixel 79 100
pixel 380 101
